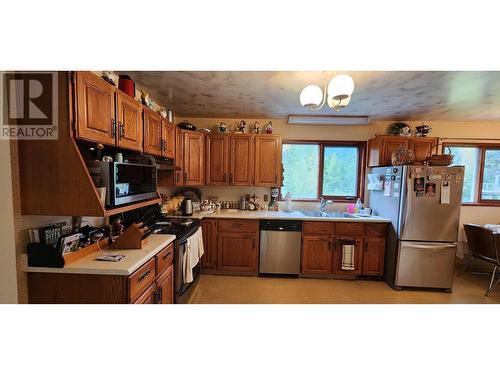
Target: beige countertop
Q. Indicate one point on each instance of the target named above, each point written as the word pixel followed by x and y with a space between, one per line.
pixel 134 258
pixel 282 215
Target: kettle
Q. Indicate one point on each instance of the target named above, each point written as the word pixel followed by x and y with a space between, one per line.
pixel 187 207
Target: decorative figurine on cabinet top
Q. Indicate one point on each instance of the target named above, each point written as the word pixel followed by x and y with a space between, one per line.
pixel 163 112
pixel 222 127
pixel 146 100
pixel 269 128
pixel 256 127
pixel 242 126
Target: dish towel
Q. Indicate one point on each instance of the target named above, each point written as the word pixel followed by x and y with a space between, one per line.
pixel 348 257
pixel 192 255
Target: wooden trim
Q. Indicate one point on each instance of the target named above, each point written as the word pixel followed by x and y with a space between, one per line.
pixel 482 157
pixel 83 252
pixel 117 210
pixel 361 145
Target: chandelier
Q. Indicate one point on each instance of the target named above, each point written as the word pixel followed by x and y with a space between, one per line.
pixel 337 94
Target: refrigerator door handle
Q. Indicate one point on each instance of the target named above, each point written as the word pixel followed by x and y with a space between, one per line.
pixel 434 246
pixel 405 180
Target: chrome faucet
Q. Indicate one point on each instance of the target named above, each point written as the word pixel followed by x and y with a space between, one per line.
pixel 323 203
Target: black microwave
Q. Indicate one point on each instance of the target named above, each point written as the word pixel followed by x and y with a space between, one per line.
pixel 124 182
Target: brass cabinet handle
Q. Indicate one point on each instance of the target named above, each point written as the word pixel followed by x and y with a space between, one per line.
pixel 366 246
pixel 275 178
pixel 113 127
pixel 230 178
pixel 185 177
pixel 177 175
pixel 224 179
pixel 121 128
pixel 166 255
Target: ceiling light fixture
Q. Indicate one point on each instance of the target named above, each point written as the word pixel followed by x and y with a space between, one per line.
pixel 327 120
pixel 337 94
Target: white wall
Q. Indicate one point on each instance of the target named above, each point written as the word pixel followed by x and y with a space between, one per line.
pixel 8 274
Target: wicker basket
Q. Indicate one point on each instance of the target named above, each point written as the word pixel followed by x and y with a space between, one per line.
pixel 439 160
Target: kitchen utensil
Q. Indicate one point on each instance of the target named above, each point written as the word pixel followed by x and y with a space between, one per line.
pixel 170 115
pixel 127 85
pixel 119 157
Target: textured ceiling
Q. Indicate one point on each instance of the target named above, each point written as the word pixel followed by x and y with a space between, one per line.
pixel 464 96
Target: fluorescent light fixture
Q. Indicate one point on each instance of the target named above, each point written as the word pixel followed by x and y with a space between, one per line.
pixel 327 120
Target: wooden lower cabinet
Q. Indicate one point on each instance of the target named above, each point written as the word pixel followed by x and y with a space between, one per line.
pixel 373 256
pixel 148 297
pixel 164 292
pixel 322 244
pixel 209 229
pixel 237 252
pixel 316 255
pixel 358 256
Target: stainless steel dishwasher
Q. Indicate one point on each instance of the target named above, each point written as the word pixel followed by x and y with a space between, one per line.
pixel 280 247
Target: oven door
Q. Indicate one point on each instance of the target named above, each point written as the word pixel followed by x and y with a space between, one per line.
pixel 183 289
pixel 132 182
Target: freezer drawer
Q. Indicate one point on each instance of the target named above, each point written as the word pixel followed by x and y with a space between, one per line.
pixel 425 264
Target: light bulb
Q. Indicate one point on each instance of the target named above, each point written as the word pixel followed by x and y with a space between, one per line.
pixel 340 87
pixel 311 96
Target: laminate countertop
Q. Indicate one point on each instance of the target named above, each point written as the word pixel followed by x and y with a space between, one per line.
pixel 282 215
pixel 134 258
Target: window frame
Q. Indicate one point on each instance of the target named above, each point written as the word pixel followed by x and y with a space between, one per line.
pixel 478 201
pixel 360 193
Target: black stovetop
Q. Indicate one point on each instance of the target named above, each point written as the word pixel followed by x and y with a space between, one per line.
pixel 181 227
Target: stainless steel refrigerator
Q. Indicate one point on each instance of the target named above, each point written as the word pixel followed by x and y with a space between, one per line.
pixel 423 204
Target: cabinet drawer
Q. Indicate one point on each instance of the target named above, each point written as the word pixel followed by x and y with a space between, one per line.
pixel 240 226
pixel 375 230
pixel 141 279
pixel 318 227
pixel 349 229
pixel 164 259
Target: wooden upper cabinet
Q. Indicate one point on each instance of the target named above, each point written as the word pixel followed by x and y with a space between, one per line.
pixel 194 166
pixel 129 122
pixel 95 112
pixel 267 160
pixel 316 255
pixel 422 147
pixel 242 160
pixel 381 147
pixel 152 133
pixel 217 160
pixel 168 134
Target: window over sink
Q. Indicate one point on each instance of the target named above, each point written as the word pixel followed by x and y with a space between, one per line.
pixel 333 170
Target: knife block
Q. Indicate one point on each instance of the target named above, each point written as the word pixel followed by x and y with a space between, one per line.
pixel 131 238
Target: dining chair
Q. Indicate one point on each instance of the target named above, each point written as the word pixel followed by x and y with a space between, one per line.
pixel 484 245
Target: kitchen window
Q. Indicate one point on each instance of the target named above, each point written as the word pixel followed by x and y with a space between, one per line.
pixel 333 170
pixel 482 172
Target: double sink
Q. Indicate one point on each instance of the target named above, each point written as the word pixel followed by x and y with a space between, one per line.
pixel 326 214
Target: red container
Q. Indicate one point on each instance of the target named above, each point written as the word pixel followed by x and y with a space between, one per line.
pixel 127 85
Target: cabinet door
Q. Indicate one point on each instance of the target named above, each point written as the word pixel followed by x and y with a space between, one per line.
pixel 338 267
pixel 237 252
pixel 217 160
pixel 129 118
pixel 242 161
pixel 147 297
pixel 389 145
pixel 168 134
pixel 165 286
pixel 95 110
pixel 422 147
pixel 152 133
pixel 267 160
pixel 316 255
pixel 194 156
pixel 179 157
pixel 373 257
pixel 209 228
